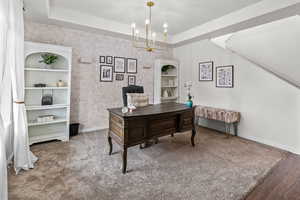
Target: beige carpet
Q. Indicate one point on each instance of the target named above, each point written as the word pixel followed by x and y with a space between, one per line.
pixel 218 168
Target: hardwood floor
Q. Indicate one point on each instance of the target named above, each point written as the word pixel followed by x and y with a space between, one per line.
pixel 283 182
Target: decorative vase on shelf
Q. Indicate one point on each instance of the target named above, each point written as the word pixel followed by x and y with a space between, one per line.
pixel 60 83
pixel 165 94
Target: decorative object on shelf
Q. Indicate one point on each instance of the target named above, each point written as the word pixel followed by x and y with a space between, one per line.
pixel 165 93
pixel 131 80
pixel 47 100
pixel 166 68
pixel 60 83
pixel 48 59
pixel 109 60
pixel 206 70
pixel 39 85
pixel 45 118
pixel 119 77
pixel 225 76
pixel 188 86
pixel 131 66
pixel 150 40
pixel 120 64
pixel 102 59
pixel 106 73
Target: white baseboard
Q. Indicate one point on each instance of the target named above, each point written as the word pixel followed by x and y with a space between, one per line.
pixel 86 130
pixel 270 143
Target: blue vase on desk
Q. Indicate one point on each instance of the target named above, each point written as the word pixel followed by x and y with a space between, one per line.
pixel 189 102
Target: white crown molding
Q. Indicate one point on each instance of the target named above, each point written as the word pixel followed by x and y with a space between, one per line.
pixel 254 15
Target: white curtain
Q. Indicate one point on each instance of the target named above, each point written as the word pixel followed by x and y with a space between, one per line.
pixel 3 76
pixel 23 158
pixel 13 122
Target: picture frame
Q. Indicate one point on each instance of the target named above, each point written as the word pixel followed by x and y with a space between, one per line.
pixel 109 60
pixel 106 73
pixel 131 80
pixel 102 59
pixel 132 65
pixel 119 64
pixel 225 76
pixel 206 71
pixel 119 77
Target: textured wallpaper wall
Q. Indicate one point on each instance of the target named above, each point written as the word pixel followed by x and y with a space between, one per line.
pixel 89 97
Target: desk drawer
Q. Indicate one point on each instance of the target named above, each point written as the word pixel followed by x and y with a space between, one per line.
pixel 136 130
pixel 186 121
pixel 163 126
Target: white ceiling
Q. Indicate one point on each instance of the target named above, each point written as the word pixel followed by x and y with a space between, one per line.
pixel 188 20
pixel 180 15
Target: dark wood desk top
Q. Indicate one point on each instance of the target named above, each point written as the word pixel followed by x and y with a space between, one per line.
pixel 151 110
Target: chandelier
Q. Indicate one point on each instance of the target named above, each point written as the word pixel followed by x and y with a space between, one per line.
pixel 149 43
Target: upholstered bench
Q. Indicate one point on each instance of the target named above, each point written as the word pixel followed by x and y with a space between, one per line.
pixel 229 117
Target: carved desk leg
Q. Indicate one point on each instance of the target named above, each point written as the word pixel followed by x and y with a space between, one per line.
pixel 110 145
pixel 193 137
pixel 194 120
pixel 124 155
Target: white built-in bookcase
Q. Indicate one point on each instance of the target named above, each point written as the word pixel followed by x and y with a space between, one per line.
pixel 58 129
pixel 166 81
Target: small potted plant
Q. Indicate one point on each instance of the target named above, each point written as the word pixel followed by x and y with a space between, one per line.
pixel 48 59
pixel 165 68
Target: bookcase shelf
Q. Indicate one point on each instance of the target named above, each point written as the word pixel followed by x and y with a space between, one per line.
pixel 39 107
pixel 45 70
pixel 57 129
pixel 166 84
pixel 46 88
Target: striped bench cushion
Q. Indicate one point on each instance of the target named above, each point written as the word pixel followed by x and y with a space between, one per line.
pixel 219 114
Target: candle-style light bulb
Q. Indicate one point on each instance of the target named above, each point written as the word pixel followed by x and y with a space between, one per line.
pixel 137 33
pixel 147 21
pixel 165 25
pixel 154 38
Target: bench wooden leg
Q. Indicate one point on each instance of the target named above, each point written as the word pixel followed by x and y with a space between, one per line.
pixel 235 127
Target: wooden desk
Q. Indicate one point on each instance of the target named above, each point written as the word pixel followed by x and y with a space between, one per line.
pixel 146 123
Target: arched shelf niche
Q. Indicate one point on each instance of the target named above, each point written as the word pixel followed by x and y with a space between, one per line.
pixel 33 60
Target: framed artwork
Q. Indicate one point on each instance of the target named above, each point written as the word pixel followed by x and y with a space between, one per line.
pixel 102 59
pixel 119 77
pixel 206 71
pixel 109 60
pixel 119 65
pixel 106 73
pixel 225 76
pixel 131 80
pixel 131 66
